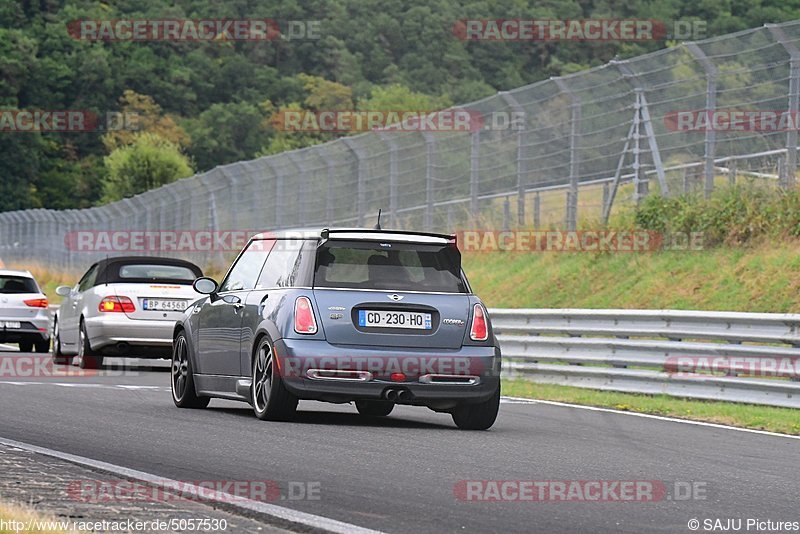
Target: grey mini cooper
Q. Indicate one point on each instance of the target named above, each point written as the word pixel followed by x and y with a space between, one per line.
pixel 375 317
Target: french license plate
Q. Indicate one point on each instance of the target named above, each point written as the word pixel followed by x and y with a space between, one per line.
pixel 394 319
pixel 163 305
pixel 12 324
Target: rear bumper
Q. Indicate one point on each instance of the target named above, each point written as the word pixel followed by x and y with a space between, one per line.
pixel 116 335
pixel 31 330
pixel 473 373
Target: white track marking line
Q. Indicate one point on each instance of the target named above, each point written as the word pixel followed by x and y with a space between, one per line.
pixel 84 385
pixel 279 512
pixel 520 400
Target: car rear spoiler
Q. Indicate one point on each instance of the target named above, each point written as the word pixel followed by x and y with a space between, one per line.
pixel 329 233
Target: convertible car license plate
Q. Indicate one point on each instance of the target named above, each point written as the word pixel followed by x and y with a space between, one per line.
pixel 12 324
pixel 394 319
pixel 164 305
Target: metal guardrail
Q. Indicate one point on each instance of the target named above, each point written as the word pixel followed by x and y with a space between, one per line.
pixel 739 357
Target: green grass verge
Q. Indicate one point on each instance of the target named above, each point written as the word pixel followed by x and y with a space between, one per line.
pixel 756 278
pixel 769 418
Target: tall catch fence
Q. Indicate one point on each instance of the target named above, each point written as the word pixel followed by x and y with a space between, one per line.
pixel 591 143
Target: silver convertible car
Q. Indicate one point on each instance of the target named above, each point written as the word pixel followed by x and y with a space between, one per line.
pixel 122 306
pixel 375 317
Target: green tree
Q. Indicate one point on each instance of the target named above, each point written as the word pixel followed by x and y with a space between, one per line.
pixel 148 162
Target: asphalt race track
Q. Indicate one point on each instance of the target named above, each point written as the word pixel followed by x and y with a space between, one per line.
pixel 398 474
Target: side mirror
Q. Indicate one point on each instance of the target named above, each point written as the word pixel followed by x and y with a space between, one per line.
pixel 205 286
pixel 63 291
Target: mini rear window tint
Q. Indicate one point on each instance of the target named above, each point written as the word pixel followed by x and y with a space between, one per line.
pixel 370 265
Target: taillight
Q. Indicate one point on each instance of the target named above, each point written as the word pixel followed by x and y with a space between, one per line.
pixel 117 304
pixel 479 330
pixel 36 303
pixel 304 322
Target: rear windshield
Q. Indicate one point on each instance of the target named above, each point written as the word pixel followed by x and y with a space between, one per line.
pixel 17 284
pixel 390 266
pixel 143 271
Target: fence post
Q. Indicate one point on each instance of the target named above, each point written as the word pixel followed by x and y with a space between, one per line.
pixel 277 201
pixel 392 177
pixel 522 131
pixel 574 152
pixel 360 194
pixel 711 106
pixel 732 172
pixel 474 164
pixel 429 178
pixel 302 184
pixel 794 102
pixel 537 210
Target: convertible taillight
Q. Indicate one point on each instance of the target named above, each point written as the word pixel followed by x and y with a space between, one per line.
pixel 479 330
pixel 36 303
pixel 117 304
pixel 304 322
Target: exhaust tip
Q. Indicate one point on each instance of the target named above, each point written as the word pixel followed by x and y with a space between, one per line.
pixel 391 395
pixel 403 395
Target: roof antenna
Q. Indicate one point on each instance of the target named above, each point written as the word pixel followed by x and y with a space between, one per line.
pixel 378 224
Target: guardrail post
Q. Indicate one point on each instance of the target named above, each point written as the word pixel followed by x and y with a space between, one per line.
pixel 794 102
pixel 521 156
pixel 711 106
pixel 574 152
pixel 732 172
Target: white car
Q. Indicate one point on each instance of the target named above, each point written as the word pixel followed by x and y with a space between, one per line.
pixel 123 306
pixel 24 315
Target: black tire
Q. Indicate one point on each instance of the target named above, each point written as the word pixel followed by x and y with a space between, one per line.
pixel 184 394
pixel 270 398
pixel 26 346
pixel 370 408
pixel 479 416
pixel 87 359
pixel 58 354
pixel 42 346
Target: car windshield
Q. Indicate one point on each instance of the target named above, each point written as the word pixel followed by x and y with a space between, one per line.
pixel 389 266
pixel 17 284
pixel 143 271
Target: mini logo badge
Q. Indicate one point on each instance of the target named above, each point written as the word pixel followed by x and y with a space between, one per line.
pixel 395 297
pixel 457 322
